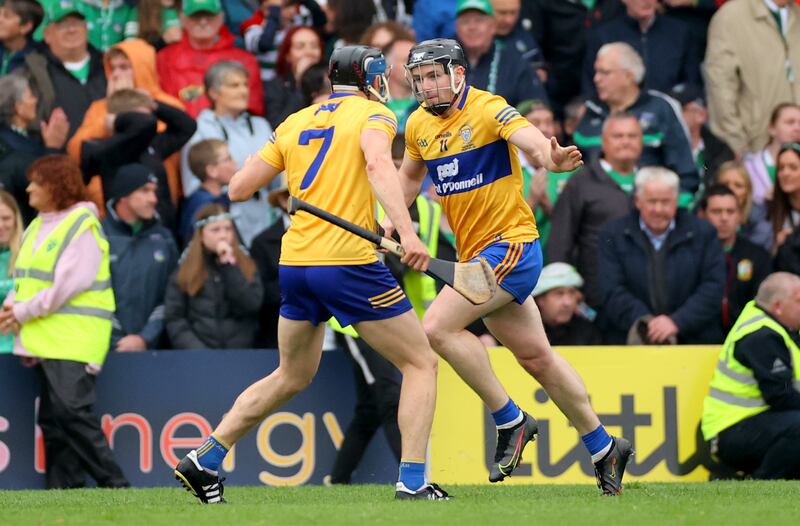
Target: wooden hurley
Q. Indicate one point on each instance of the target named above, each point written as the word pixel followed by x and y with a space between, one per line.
pixel 475 280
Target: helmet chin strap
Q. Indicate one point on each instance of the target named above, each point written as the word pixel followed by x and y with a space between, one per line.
pixel 384 94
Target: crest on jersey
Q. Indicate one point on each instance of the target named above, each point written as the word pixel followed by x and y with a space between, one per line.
pixel 466 133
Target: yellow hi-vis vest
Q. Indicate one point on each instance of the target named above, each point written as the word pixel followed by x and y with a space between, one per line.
pixel 419 288
pixel 81 329
pixel 734 394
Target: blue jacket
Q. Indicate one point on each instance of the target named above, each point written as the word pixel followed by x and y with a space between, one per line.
pixel 667 49
pixel 434 19
pixel 515 79
pixel 141 264
pixel 694 275
pixel 666 138
pixel 17 58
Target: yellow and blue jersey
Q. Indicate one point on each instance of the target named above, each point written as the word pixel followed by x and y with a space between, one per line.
pixel 320 149
pixel 475 170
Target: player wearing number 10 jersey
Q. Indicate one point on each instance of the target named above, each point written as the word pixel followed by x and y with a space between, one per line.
pixel 337 156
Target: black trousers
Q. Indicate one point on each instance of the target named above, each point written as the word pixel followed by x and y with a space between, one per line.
pixel 765 446
pixel 74 442
pixel 377 398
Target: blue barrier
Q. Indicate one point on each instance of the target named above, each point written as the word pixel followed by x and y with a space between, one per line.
pixel 156 406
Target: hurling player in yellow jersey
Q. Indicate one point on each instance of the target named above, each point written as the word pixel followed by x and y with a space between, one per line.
pixel 337 156
pixel 467 140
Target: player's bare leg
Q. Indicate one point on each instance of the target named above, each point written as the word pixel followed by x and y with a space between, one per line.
pixel 402 341
pixel 300 348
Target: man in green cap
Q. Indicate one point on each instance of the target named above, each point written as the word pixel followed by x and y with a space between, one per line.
pixel 105 19
pixel 494 66
pixel 69 73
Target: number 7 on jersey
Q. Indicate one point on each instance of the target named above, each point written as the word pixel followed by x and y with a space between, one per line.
pixel 306 136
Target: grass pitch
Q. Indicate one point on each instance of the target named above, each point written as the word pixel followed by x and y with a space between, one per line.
pixel 649 504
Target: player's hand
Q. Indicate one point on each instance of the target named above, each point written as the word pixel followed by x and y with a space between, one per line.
pixel 131 343
pixel 564 159
pixel 387 228
pixel 661 328
pixel 416 253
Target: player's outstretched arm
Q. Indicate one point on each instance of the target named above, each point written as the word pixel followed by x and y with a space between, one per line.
pixel 549 154
pixel 254 174
pixel 383 177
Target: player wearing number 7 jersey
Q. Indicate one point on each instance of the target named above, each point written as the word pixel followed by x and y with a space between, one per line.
pixel 337 156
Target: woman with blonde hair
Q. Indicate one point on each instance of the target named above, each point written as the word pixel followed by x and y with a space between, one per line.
pixel 10 238
pixel 755 226
pixel 213 299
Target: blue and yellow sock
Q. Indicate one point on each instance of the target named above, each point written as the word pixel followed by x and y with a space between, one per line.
pixel 412 473
pixel 507 416
pixel 598 442
pixel 212 453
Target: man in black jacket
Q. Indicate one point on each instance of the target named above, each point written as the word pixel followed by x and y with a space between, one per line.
pixel 746 264
pixel 596 194
pixel 752 412
pixel 68 73
pixel 132 119
pixel 143 255
pixel 660 266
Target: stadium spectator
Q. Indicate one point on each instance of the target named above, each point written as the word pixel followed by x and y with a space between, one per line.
pixel 265 30
pixel 596 194
pixel 228 120
pixel 434 19
pixel 561 28
pixel 619 71
pixel 494 66
pixel 129 64
pixel 662 268
pixel 62 317
pixel 18 20
pixel 511 33
pixel 212 161
pixel 132 121
pixel 665 44
pixel 746 264
pixel 558 297
pixel 708 150
pixel 381 34
pixel 755 226
pixel 541 187
pixel 205 42
pixel 20 142
pixel 402 101
pixel 751 63
pixel 107 20
pixel 10 239
pixel 67 72
pixel 315 84
pixel 300 49
pixel 751 415
pixel 143 256
pixel 784 128
pixel 212 301
pixel 783 210
pixel 157 22
pixel 348 20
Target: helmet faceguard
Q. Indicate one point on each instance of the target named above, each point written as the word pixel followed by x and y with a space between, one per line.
pixel 445 52
pixel 360 68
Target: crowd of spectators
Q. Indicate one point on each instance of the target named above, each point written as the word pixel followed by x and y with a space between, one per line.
pixel 687 114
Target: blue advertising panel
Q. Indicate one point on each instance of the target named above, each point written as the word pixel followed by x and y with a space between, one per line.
pixel 155 406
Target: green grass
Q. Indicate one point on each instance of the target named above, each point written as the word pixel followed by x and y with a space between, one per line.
pixel 647 504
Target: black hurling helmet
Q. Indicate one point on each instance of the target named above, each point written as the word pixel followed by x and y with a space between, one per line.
pixel 449 54
pixel 360 67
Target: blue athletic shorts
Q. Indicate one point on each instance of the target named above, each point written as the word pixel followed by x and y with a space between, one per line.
pixel 351 293
pixel 516 265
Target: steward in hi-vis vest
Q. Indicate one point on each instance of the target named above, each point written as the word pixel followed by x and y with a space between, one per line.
pixel 752 412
